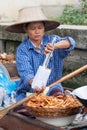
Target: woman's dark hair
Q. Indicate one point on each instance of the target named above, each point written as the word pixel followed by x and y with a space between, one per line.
pixel 26 24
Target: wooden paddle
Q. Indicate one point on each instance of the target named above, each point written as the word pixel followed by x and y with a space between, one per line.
pixel 4 111
pixel 66 77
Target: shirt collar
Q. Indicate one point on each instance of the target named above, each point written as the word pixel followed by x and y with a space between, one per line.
pixel 35 45
pixel 30 45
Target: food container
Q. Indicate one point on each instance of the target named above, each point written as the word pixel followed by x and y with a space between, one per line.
pixel 59 115
pixel 53 112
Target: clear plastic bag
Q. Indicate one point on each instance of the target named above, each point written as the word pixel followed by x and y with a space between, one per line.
pixel 2 93
pixel 7 90
pixel 9 99
pixel 6 83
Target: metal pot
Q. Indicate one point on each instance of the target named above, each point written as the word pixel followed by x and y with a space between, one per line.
pixel 58 121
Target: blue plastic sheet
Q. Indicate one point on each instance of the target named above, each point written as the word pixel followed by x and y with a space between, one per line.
pixel 5 83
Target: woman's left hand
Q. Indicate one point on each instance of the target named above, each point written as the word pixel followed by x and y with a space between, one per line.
pixel 39 90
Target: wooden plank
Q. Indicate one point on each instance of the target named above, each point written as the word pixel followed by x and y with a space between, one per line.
pixel 14 121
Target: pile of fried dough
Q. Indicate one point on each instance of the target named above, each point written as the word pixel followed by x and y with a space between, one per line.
pixel 53 106
pixel 61 101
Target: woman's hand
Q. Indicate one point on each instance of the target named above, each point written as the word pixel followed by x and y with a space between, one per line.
pixel 49 48
pixel 39 90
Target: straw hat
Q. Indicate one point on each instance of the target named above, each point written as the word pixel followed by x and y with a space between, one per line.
pixel 31 14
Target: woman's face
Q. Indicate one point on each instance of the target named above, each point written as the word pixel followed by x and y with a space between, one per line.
pixel 35 31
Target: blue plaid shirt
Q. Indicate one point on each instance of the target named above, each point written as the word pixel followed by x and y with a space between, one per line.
pixel 28 59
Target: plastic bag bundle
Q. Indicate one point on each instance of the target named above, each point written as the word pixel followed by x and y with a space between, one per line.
pixel 6 83
pixel 7 90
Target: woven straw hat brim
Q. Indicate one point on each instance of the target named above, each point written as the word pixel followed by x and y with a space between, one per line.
pixel 19 27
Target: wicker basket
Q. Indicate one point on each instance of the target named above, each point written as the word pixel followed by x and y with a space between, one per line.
pixel 53 112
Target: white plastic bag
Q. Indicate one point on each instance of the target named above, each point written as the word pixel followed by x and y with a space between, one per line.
pixel 41 77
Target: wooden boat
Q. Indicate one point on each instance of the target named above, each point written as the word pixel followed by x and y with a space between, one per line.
pixel 15 121
pixel 22 120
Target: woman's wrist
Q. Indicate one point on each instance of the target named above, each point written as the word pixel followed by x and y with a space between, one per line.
pixel 62 44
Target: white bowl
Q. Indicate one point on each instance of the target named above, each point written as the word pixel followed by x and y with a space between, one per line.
pixel 58 121
pixel 81 92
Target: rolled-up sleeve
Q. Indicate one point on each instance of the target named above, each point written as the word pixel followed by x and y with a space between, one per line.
pixel 66 51
pixel 72 43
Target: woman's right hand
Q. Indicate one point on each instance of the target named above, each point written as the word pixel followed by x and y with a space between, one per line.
pixel 49 48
